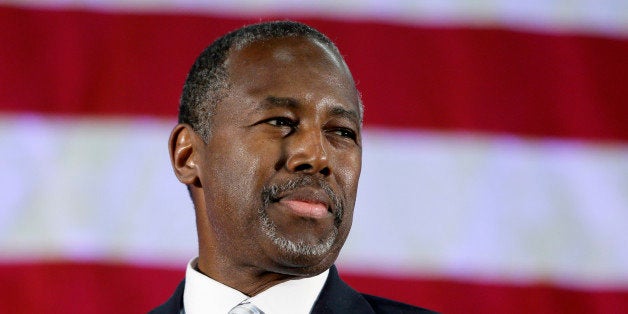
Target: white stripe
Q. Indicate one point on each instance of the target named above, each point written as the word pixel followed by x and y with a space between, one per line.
pixel 492 207
pixel 489 207
pixel 91 189
pixel 608 17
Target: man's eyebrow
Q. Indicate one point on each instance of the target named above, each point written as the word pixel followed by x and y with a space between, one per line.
pixel 345 113
pixel 272 102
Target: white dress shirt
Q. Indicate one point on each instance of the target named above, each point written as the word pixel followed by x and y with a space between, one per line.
pixel 203 295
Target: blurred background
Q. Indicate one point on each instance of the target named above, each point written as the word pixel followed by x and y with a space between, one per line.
pixel 495 175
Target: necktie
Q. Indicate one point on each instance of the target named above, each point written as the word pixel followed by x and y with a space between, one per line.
pixel 245 308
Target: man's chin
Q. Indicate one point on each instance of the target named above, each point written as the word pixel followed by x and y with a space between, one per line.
pixel 295 262
pixel 304 256
pixel 303 247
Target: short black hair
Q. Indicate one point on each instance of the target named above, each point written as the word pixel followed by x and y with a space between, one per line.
pixel 206 83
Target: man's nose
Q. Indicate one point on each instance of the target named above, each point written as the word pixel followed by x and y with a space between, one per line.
pixel 306 152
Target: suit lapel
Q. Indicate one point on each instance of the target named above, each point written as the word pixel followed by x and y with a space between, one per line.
pixel 338 297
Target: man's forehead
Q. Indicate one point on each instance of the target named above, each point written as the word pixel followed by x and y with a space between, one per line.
pixel 285 65
pixel 282 51
pixel 286 50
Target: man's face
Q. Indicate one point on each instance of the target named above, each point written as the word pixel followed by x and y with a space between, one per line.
pixel 280 170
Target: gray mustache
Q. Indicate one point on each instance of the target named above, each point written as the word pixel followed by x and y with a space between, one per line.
pixel 270 193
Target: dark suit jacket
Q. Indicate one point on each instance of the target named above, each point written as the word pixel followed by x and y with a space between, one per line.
pixel 336 297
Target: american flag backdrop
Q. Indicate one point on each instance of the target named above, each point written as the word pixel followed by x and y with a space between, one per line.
pixel 495 171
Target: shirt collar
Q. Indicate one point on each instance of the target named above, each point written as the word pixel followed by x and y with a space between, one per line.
pixel 206 295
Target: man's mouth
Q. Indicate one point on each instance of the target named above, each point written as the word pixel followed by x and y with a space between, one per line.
pixel 306 209
pixel 307 202
pixel 305 197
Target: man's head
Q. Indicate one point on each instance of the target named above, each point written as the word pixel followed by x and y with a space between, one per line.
pixel 269 144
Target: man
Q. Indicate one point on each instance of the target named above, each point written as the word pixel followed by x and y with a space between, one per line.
pixel 269 145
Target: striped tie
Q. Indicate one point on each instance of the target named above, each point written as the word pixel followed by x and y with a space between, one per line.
pixel 245 308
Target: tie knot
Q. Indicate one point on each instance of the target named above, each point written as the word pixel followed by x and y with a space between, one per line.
pixel 245 308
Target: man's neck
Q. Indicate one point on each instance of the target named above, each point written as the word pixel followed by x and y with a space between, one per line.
pixel 248 280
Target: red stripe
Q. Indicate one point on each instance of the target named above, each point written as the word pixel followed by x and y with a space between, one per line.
pixel 457 296
pixel 100 288
pixel 494 80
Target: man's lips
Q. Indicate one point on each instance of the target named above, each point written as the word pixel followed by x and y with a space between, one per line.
pixel 307 202
pixel 306 209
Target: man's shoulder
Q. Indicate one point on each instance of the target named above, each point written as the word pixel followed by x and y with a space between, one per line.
pixel 383 305
pixel 338 297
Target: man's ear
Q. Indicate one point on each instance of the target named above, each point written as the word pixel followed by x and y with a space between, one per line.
pixel 182 146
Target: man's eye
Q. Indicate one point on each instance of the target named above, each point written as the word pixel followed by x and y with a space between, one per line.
pixel 348 133
pixel 279 121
